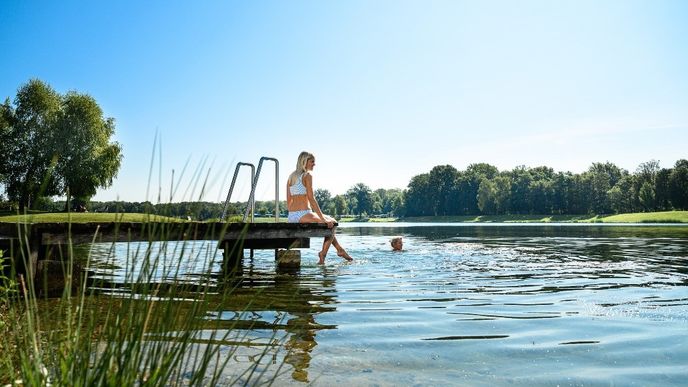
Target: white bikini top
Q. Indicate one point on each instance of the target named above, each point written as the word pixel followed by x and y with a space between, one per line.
pixel 298 188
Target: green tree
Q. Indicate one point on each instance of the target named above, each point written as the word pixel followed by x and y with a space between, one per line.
pixel 541 196
pixel 621 196
pixel 363 196
pixel 441 183
pixel 647 173
pixel 397 206
pixel 647 196
pixel 28 144
pixel 502 193
pixel 678 185
pixel 376 206
pixel 392 201
pixel 323 197
pixel 662 189
pixel 416 197
pixel 54 145
pixel 487 197
pixel 561 183
pixel 602 177
pixel 520 190
pixel 467 185
pixel 340 205
pixel 86 159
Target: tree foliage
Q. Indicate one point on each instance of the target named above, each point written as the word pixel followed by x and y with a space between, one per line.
pixel 55 145
pixel 603 188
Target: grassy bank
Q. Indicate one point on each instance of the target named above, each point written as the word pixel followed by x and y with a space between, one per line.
pixel 83 217
pixel 640 217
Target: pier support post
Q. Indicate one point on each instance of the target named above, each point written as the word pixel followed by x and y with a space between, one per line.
pixel 290 259
pixel 232 258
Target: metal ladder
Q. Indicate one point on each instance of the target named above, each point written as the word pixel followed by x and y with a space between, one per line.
pixel 251 205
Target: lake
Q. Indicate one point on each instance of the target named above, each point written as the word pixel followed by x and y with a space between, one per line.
pixel 463 304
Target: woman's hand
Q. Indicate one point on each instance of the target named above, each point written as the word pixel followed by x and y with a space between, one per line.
pixel 330 223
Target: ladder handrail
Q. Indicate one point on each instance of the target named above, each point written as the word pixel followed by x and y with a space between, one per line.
pixel 252 197
pixel 231 188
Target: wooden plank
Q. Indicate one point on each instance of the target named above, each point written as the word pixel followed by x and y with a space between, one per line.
pixel 79 233
pixel 274 243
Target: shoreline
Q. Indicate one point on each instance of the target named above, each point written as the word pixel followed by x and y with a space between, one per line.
pixel 661 217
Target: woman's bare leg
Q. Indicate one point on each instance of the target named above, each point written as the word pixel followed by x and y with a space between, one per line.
pixel 313 218
pixel 323 253
pixel 340 250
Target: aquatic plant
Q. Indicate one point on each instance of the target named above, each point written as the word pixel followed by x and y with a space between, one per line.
pixel 154 328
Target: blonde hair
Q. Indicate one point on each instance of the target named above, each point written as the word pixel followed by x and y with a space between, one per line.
pixel 300 166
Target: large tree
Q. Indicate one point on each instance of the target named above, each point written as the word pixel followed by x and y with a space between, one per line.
pixel 86 159
pixel 362 195
pixel 28 144
pixel 55 145
pixel 678 185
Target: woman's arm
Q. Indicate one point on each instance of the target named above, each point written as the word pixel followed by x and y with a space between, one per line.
pixel 288 196
pixel 308 182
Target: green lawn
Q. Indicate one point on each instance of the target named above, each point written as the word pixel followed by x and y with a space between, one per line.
pixel 84 217
pixel 639 217
pixel 647 217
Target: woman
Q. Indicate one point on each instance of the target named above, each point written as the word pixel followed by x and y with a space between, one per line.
pixel 301 204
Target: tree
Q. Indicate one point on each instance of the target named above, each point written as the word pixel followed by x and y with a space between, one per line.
pixel 441 183
pixel 678 185
pixel 541 196
pixel 486 197
pixel 602 177
pixel 340 205
pixel 647 196
pixel 520 190
pixel 55 144
pixel 86 159
pixel 28 144
pixel 502 193
pixel 621 196
pixel 561 184
pixel 323 197
pixel 6 123
pixel 363 196
pixel 392 201
pixel 417 196
pixel 647 173
pixel 662 189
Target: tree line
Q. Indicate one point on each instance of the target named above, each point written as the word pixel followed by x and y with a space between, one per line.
pixel 603 189
pixel 481 189
pixel 56 144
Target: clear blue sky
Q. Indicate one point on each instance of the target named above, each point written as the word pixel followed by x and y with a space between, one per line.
pixel 380 91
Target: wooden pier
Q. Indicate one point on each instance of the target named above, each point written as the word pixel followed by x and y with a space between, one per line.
pixel 29 244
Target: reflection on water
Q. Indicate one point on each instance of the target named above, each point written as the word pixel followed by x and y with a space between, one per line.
pixel 463 304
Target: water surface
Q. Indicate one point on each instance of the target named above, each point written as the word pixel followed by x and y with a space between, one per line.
pixel 461 305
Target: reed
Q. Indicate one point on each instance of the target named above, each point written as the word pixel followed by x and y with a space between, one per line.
pixel 156 328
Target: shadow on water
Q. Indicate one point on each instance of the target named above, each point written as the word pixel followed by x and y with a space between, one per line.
pixel 267 309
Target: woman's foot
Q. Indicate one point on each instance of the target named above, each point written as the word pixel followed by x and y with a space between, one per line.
pixel 342 253
pixel 321 255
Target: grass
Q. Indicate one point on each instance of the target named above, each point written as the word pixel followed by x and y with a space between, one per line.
pixel 648 217
pixel 85 217
pixel 641 217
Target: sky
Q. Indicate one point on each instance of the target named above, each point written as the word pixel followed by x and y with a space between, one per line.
pixel 380 91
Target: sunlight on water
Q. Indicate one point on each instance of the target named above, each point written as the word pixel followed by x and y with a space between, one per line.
pixel 478 305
